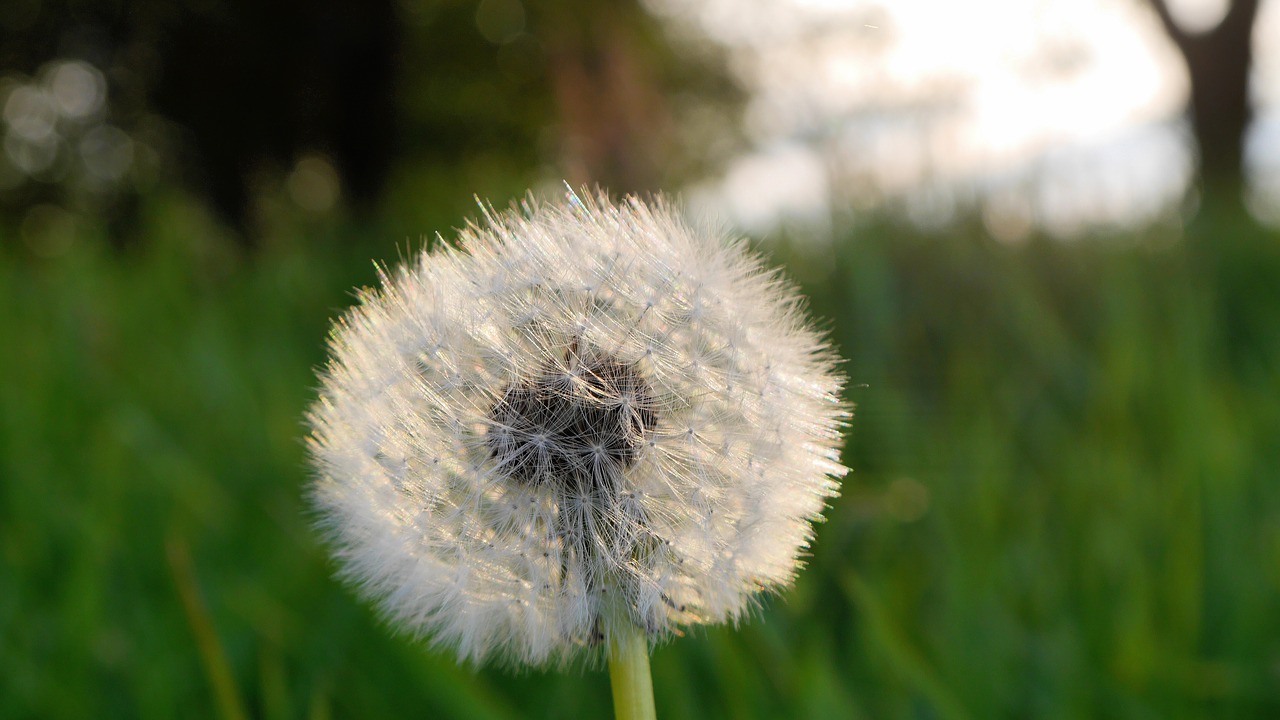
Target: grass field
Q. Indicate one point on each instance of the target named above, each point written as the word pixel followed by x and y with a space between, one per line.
pixel 1065 500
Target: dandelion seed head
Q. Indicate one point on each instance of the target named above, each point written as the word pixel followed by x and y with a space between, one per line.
pixel 581 415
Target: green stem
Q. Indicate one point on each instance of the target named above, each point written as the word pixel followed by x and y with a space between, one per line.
pixel 629 673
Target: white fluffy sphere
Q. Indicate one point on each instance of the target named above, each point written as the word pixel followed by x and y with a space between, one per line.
pixel 582 415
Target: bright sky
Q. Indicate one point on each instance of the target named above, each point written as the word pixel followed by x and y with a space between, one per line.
pixel 1064 113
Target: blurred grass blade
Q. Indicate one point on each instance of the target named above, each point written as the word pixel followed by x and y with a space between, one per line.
pixel 230 706
pixel 904 659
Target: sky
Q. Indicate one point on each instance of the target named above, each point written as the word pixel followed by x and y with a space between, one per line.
pixel 1062 114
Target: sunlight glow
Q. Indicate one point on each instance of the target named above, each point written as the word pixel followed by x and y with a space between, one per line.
pixel 1075 107
pixel 1198 16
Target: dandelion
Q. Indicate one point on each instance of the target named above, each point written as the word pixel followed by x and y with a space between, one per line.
pixel 584 427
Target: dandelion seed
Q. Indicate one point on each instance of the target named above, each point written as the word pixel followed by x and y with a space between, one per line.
pixel 583 420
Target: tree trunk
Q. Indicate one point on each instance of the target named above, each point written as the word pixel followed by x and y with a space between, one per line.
pixel 1218 63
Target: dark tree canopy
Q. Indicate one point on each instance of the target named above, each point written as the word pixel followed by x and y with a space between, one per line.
pixel 446 88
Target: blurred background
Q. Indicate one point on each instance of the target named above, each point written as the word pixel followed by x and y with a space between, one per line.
pixel 1041 232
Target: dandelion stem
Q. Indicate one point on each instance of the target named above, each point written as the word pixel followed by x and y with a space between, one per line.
pixel 629 673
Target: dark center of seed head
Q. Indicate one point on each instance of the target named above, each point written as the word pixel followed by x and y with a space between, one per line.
pixel 575 426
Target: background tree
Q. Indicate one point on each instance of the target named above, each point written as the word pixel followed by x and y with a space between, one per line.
pixel 1218 62
pixel 422 97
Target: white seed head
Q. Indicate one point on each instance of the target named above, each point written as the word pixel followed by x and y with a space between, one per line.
pixel 583 415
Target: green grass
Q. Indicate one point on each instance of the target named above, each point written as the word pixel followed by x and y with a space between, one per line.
pixel 1066 497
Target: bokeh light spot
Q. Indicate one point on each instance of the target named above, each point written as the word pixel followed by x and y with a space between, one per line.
pixel 1198 16
pixel 313 184
pixel 1008 216
pixel 31 156
pixel 29 112
pixel 500 21
pixel 107 152
pixel 77 88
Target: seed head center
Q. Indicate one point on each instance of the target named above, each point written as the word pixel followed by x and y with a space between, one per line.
pixel 576 429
